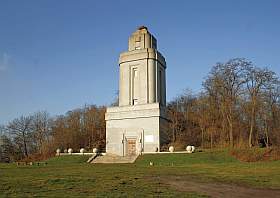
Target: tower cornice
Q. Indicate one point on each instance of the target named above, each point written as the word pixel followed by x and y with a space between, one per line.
pixel 148 53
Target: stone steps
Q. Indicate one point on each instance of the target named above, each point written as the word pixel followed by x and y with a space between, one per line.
pixel 111 159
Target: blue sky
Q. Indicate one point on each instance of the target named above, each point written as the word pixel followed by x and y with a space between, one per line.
pixel 59 55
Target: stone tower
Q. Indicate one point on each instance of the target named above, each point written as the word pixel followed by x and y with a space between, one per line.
pixel 138 124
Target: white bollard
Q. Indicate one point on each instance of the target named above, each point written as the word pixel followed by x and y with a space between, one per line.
pixel 58 151
pixel 82 150
pixel 95 150
pixel 189 149
pixel 171 149
pixel 70 151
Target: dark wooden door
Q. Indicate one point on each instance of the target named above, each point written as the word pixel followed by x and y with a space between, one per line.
pixel 131 147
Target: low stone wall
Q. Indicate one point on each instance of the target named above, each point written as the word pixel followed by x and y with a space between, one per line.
pixel 78 154
pixel 143 153
pixel 164 152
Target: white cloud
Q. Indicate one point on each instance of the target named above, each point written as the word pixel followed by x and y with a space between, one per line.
pixel 4 61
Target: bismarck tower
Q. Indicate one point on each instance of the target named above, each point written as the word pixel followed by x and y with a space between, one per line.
pixel 138 124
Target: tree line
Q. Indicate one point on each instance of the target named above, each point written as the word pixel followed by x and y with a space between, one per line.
pixel 238 106
pixel 39 134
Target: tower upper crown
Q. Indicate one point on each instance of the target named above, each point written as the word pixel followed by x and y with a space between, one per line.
pixel 141 39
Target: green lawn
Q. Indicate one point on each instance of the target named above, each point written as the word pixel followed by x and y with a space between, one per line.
pixel 70 176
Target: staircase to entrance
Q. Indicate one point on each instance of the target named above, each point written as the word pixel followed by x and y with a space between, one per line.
pixel 110 158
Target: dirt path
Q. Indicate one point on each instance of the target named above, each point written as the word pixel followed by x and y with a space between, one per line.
pixel 218 190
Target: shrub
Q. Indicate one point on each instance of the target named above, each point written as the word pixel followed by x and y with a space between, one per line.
pixel 256 154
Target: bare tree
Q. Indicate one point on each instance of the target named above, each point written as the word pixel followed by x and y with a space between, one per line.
pixel 41 128
pixel 268 104
pixel 20 129
pixel 225 83
pixel 257 80
pixel 80 128
pixel 6 149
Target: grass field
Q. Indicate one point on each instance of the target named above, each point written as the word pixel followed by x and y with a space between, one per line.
pixel 70 176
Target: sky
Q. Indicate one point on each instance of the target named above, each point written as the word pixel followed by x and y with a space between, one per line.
pixel 56 56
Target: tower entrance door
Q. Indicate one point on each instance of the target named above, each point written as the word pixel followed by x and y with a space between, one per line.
pixel 131 147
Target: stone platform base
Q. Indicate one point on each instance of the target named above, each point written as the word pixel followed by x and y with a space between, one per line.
pixel 113 159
